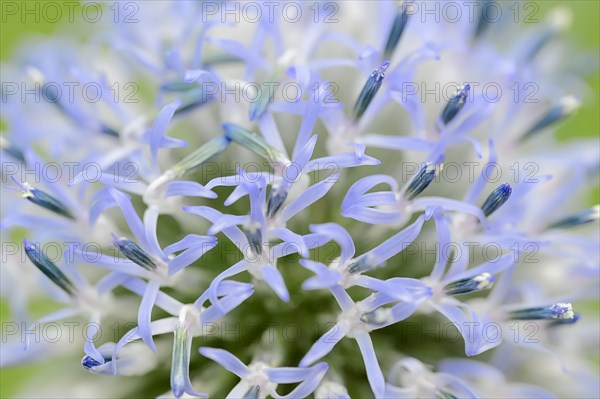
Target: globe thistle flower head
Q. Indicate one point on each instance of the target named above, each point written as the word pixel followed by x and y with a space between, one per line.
pixel 294 178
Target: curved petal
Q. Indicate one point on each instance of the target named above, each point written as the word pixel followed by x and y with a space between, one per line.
pixel 145 313
pixel 374 374
pixel 339 235
pixel 227 360
pixel 159 127
pixel 234 234
pixel 308 197
pixel 273 278
pixel 325 344
pixel 196 247
pixel 188 189
pixel 310 377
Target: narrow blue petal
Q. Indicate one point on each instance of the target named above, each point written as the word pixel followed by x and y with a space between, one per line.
pixel 189 189
pixel 390 247
pixel 123 201
pixel 198 246
pixel 310 378
pixel 324 344
pixel 274 279
pixel 288 236
pixel 229 303
pixel 309 196
pixel 145 313
pixel 159 127
pixel 235 235
pixel 397 143
pixel 374 374
pixel 339 235
pixel 150 227
pixel 227 360
pixel 442 229
pixel 213 289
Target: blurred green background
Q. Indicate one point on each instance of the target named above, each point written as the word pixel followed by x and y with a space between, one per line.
pixel 585 31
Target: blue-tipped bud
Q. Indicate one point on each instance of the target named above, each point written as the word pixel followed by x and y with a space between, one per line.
pixel 396 31
pixel 557 21
pixel 220 59
pixel 253 142
pixel 252 393
pixel 496 199
pixel 484 18
pixel 46 266
pixel 369 91
pixel 265 97
pixel 109 131
pixel 210 149
pixel 566 107
pixel 178 86
pixel 134 253
pixel 476 283
pixel 51 93
pixel 192 99
pixel 443 394
pixel 91 364
pixel 11 150
pixel 254 236
pixel 561 322
pixel 557 311
pixel 276 199
pixel 455 104
pixel 43 199
pixel 422 179
pixel 583 217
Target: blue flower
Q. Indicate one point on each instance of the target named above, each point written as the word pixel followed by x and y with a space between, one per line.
pixel 259 379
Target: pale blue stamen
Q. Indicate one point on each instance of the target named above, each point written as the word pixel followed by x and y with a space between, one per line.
pixel 43 199
pixel 496 199
pixel 421 180
pixel 468 285
pixel 369 91
pixel 134 253
pixel 395 34
pixel 583 217
pixel 562 311
pixel 46 266
pixel 455 104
